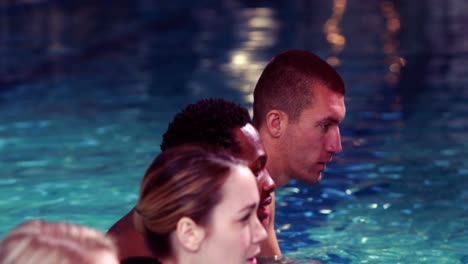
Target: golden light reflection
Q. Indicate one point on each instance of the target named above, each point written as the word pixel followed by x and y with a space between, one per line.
pixel 259 22
pixel 256 29
pixel 393 59
pixel 333 33
pixel 239 59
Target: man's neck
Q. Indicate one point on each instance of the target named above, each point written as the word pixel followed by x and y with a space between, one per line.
pixel 275 162
pixel 276 173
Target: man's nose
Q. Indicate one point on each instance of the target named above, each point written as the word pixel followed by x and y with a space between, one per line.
pixel 268 184
pixel 334 143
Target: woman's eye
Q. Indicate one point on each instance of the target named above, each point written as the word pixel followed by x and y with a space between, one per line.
pixel 245 218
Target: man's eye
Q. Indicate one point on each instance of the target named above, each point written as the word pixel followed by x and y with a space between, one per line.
pixel 257 172
pixel 325 126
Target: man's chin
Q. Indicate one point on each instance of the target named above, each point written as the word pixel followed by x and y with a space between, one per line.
pixel 312 178
pixel 264 215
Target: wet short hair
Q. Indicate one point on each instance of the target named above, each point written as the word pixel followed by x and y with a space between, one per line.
pixel 208 121
pixel 183 181
pixel 44 242
pixel 289 81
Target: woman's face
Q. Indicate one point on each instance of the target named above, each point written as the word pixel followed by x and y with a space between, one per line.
pixel 234 232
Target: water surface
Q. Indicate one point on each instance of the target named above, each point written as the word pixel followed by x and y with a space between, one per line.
pixel 88 89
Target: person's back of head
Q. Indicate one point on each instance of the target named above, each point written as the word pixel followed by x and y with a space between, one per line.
pixel 189 209
pixel 183 181
pixel 288 82
pixel 42 242
pixel 208 121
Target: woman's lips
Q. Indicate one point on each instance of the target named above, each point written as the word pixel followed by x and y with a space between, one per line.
pixel 252 260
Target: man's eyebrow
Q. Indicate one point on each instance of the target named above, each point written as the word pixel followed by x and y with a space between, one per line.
pixel 329 119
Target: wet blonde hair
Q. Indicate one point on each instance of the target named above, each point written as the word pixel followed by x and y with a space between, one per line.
pixel 43 242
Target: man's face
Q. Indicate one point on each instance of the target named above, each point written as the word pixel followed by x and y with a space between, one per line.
pixel 253 152
pixel 310 141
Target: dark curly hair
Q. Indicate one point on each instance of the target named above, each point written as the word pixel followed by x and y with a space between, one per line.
pixel 208 121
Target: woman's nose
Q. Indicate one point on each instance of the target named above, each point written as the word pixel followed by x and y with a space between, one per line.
pixel 259 232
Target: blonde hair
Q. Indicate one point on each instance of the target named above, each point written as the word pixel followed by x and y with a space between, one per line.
pixel 38 241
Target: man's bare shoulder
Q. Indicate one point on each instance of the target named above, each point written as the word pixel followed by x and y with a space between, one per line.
pixel 123 225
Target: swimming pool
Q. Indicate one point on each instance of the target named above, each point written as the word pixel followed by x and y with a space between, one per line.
pixel 88 89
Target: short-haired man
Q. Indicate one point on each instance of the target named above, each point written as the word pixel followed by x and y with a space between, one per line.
pixel 215 122
pixel 298 106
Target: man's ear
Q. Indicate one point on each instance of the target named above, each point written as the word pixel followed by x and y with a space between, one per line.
pixel 189 234
pixel 276 122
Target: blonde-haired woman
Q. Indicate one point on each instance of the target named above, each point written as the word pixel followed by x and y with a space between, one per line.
pixel 198 205
pixel 44 242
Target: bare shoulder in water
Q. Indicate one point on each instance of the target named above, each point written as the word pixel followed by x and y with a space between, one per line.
pixel 286 260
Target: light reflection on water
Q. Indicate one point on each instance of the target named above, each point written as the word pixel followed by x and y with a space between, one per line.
pixel 87 90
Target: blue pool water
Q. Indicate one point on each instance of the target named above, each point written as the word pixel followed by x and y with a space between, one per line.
pixel 86 91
